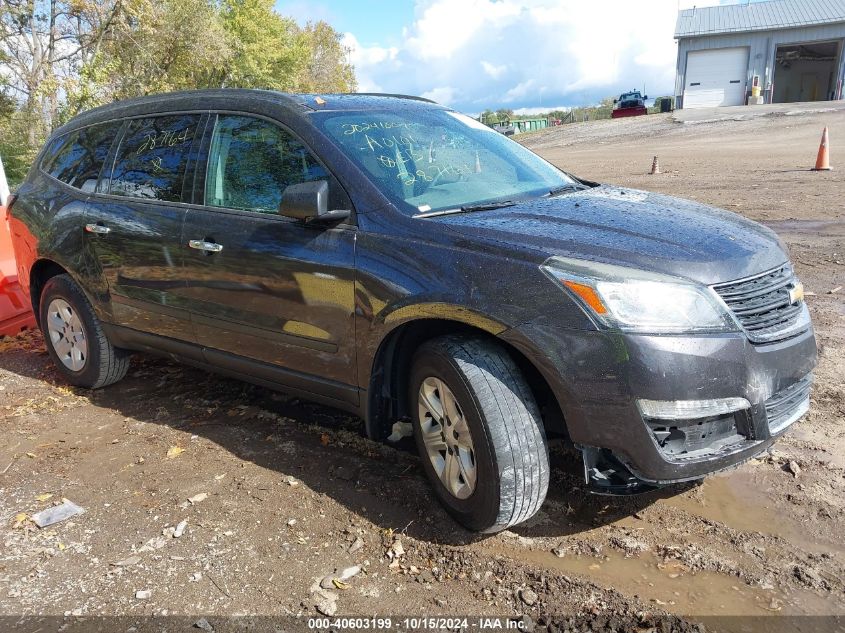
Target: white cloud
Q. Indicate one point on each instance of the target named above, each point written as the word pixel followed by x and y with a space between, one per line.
pixel 369 61
pixel 447 26
pixel 493 71
pixel 519 91
pixel 442 94
pixel 473 54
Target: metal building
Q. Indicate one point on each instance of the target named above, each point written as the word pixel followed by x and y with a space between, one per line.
pixel 781 50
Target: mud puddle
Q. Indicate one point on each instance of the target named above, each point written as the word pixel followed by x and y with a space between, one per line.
pixel 673 586
pixel 739 500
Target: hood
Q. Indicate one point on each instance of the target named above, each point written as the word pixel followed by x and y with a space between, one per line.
pixel 631 228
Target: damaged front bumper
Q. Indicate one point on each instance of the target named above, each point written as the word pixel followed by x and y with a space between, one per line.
pixel 648 411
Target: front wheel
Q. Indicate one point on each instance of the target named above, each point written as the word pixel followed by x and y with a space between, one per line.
pixel 479 432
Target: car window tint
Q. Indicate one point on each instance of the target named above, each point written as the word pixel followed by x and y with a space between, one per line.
pixel 250 163
pixel 80 158
pixel 152 157
pixel 53 150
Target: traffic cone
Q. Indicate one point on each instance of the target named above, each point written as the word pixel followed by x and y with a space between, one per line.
pixel 823 160
pixel 655 167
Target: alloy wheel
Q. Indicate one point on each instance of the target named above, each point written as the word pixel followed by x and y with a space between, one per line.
pixel 67 336
pixel 447 438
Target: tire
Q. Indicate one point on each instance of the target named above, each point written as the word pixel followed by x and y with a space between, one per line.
pixel 503 479
pixel 66 317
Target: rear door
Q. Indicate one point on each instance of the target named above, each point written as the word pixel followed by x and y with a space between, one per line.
pixel 263 287
pixel 134 223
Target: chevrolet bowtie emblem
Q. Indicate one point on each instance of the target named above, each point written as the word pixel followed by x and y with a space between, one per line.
pixel 796 294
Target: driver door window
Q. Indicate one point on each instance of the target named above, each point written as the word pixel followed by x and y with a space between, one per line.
pixel 250 163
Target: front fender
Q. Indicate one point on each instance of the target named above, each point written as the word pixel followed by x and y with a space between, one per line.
pixel 399 315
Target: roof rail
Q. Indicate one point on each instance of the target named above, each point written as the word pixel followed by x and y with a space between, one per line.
pixel 396 96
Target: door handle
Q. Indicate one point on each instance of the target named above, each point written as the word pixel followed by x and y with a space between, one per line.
pixel 98 228
pixel 208 247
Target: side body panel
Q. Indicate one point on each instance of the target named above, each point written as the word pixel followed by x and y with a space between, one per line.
pixel 279 291
pixel 46 223
pixel 141 263
pixel 410 269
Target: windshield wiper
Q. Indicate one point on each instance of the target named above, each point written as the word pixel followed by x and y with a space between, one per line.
pixel 486 206
pixel 557 191
pixel 467 208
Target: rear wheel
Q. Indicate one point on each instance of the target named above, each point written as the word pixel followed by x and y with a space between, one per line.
pixel 479 432
pixel 75 339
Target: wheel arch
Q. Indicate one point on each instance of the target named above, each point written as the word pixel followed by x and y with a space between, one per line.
pixel 41 272
pixel 387 398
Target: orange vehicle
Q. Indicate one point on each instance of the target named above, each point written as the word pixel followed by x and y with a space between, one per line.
pixel 15 307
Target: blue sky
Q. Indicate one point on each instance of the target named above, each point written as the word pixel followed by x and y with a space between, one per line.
pixel 527 55
pixel 372 22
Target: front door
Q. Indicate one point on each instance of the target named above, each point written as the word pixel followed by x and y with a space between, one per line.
pixel 261 286
pixel 134 225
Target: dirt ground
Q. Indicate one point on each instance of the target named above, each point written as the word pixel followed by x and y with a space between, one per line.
pixel 279 495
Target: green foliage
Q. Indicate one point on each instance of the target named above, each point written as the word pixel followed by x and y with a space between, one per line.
pixel 489 117
pixel 66 56
pixel 601 110
pixel 267 50
pixel 327 67
pixel 504 114
pixel 593 113
pixel 15 150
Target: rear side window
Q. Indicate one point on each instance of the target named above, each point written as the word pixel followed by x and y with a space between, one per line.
pixel 152 157
pixel 250 163
pixel 76 159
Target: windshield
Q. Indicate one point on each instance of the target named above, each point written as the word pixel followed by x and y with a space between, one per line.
pixel 427 161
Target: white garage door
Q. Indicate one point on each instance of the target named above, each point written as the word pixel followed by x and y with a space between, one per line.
pixel 716 77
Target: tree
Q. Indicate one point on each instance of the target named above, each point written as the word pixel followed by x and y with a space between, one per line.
pixel 62 56
pixel 154 47
pixel 42 45
pixel 268 51
pixel 489 117
pixel 327 67
pixel 504 114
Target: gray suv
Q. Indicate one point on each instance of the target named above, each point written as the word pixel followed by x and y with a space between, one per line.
pixel 399 260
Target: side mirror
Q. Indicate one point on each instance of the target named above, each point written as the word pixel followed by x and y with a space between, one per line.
pixel 615 100
pixel 645 97
pixel 309 201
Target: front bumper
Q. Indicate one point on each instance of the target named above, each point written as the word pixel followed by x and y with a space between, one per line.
pixel 598 376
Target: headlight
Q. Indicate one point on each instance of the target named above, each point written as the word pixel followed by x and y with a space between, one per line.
pixel 640 301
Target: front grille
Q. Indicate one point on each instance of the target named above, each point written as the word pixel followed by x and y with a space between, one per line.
pixel 762 304
pixel 789 404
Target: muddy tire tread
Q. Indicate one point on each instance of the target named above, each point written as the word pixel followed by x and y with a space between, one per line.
pixel 513 422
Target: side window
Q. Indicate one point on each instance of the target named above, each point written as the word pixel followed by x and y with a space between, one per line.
pixel 250 163
pixel 152 157
pixel 79 160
